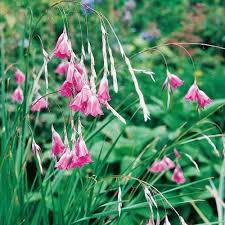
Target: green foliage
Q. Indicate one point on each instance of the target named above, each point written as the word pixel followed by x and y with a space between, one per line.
pixel 122 154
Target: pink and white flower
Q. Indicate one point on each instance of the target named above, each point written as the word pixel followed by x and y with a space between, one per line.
pixel 62 48
pixel 80 101
pixel 195 94
pixel 19 76
pixel 38 104
pixel 81 154
pixel 178 175
pixel 158 166
pixel 74 77
pixel 58 147
pixel 65 161
pixel 17 95
pixel 172 81
pixel 62 68
pixel 66 90
pixel 169 163
pixel 192 94
pixel 93 107
pixel 203 99
pixel 103 91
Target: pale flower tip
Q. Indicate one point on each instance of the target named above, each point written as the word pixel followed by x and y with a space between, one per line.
pixel 52 128
pixel 35 147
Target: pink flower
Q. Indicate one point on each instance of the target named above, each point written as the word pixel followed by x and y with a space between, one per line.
pixel 103 91
pixel 203 99
pixel 158 167
pixel 66 90
pixel 80 101
pixel 178 175
pixel 65 161
pixel 175 81
pixel 19 76
pixel 62 68
pixel 195 94
pixel 93 107
pixel 81 154
pixel 81 69
pixel 35 147
pixel 62 48
pixel 38 104
pixel 169 163
pixel 58 147
pixel 192 94
pixel 74 77
pixel 172 81
pixel 17 95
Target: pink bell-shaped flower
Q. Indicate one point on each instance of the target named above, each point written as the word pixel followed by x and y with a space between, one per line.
pixel 169 163
pixel 195 94
pixel 178 175
pixel 38 104
pixel 203 99
pixel 74 77
pixel 66 90
pixel 62 68
pixel 81 154
pixel 62 48
pixel 192 94
pixel 17 95
pixel 65 161
pixel 58 147
pixel 172 81
pixel 158 166
pixel 103 91
pixel 19 76
pixel 80 101
pixel 93 107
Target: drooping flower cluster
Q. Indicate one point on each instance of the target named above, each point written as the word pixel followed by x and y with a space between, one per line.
pixel 77 85
pixel 78 157
pixel 160 166
pixel 197 95
pixel 17 95
pixel 80 88
pixel 62 48
pixel 172 82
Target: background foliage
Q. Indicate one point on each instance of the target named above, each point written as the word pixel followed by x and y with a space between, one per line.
pixel 89 195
